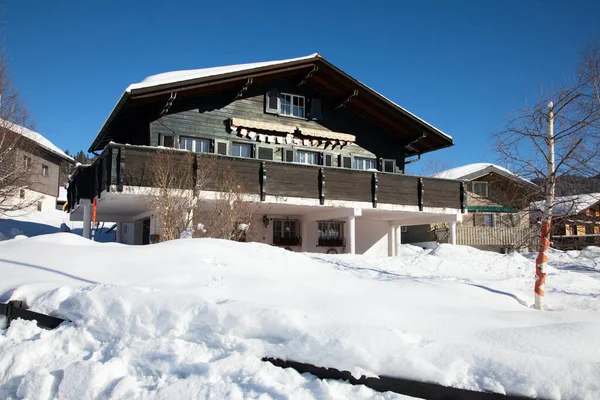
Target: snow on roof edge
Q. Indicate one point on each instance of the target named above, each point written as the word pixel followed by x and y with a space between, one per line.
pixel 186 75
pixel 36 137
pixel 569 205
pixel 469 169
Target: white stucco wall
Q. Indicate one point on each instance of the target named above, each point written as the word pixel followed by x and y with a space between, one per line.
pixel 33 197
pixel 372 237
pixel 127 236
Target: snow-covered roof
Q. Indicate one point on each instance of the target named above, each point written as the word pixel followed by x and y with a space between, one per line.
pixel 36 137
pixel 186 75
pixel 476 170
pixel 569 205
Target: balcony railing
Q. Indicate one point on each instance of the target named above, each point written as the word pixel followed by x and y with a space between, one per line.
pixel 124 165
pixel 336 242
pixel 291 241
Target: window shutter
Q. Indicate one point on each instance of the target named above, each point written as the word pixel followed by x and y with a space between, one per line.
pixel 288 155
pixel 272 101
pixel 265 153
pixel 315 109
pixel 168 141
pixel 345 161
pixel 387 165
pixel 222 148
pixel 328 159
pixel 212 146
pixel 478 219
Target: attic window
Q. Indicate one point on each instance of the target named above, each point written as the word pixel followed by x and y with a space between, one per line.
pixel 286 104
pixel 291 105
pixel 480 189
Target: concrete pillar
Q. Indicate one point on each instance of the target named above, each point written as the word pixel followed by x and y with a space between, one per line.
pixel 119 232
pixel 351 242
pixel 391 240
pixel 304 234
pixel 397 239
pixel 452 232
pixel 87 220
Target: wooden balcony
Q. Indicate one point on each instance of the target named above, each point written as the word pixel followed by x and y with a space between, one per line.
pixel 121 166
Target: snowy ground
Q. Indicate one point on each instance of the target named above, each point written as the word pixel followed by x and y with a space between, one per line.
pixel 43 223
pixel 192 319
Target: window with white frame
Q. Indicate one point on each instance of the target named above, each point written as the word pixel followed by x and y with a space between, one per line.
pixel 292 105
pixel 241 150
pixel 365 163
pixel 307 157
pixel 194 144
pixel 286 232
pixel 44 170
pixel 480 188
pixel 331 233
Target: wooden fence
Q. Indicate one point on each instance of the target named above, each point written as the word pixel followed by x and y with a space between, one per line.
pixel 502 237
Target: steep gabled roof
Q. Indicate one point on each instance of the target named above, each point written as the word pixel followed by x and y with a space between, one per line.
pixel 40 140
pixel 470 172
pixel 420 136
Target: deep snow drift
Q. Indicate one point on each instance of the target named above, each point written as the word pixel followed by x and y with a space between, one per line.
pixel 51 221
pixel 192 319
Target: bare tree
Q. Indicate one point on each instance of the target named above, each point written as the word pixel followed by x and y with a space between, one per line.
pixel 16 149
pixel 228 216
pixel 196 192
pixel 559 135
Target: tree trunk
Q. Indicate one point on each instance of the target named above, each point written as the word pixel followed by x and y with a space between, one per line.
pixel 542 259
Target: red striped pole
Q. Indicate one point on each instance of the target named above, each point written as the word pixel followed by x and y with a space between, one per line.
pixel 94 218
pixel 540 265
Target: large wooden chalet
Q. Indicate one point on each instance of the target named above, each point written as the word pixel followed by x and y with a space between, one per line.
pixel 321 154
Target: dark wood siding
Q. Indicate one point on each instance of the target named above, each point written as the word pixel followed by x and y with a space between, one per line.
pixel 206 117
pixel 292 180
pixel 440 193
pixel 341 184
pixel 396 189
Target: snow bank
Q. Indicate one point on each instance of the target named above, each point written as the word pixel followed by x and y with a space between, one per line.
pixel 192 319
pixel 47 222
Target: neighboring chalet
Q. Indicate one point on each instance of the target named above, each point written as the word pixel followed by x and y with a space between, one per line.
pixel 321 155
pixel 38 162
pixel 575 220
pixel 498 210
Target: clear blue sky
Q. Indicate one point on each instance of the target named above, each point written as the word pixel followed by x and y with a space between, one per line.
pixel 462 66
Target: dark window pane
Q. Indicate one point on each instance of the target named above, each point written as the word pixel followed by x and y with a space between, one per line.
pixel 168 141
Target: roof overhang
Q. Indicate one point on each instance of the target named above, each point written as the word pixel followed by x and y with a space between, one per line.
pixel 417 135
